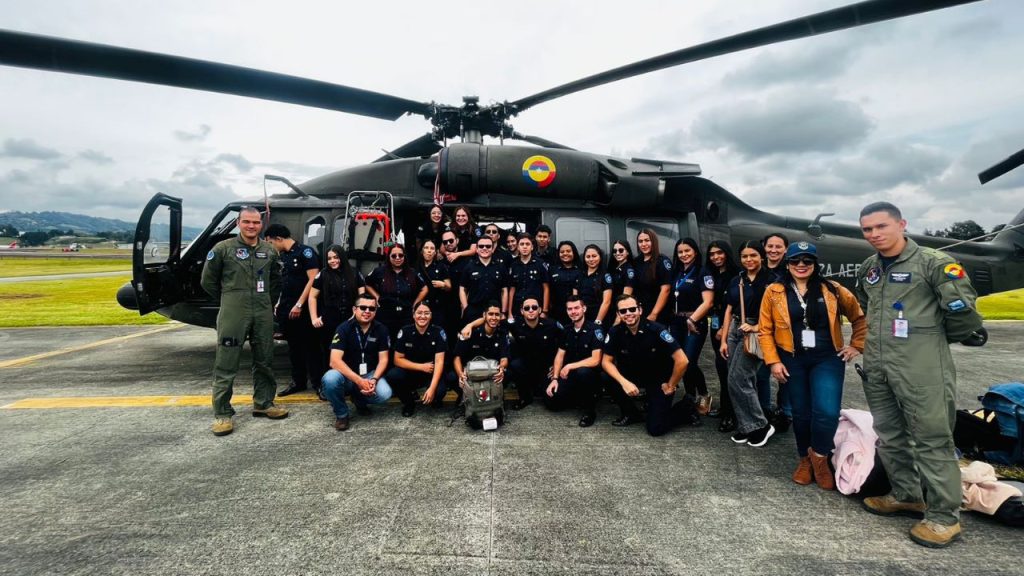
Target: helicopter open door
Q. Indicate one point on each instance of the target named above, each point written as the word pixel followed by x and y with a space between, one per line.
pixel 156 254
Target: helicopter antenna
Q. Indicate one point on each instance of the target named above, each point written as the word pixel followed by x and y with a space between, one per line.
pixel 286 182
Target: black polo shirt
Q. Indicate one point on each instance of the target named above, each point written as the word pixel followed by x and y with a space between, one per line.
pixel 580 345
pixel 528 279
pixel 360 347
pixel 753 293
pixel 438 270
pixel 688 288
pixel 646 355
pixel 494 347
pixel 418 347
pixel 483 282
pixel 549 256
pixel 622 277
pixel 295 263
pixel 592 287
pixel 536 344
pixel 646 290
pixel 563 282
pixel 334 307
pixel 406 286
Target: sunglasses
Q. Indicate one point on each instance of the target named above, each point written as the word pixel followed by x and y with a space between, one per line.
pixel 803 261
pixel 367 308
pixel 449 241
pixel 484 246
pixel 491 232
pixel 630 310
pixel 619 250
pixel 530 307
pixel 397 256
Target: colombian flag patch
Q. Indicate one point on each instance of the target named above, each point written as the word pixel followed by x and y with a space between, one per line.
pixel 954 271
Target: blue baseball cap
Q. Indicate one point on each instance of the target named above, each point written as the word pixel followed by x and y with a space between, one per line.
pixel 801 249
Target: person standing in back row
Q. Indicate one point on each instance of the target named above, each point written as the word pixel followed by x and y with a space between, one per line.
pixel 243 275
pixel 917 300
pixel 299 266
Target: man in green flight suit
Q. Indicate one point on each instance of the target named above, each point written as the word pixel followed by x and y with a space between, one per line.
pixel 917 301
pixel 244 274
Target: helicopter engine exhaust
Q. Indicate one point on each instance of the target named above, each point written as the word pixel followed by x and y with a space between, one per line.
pixel 469 170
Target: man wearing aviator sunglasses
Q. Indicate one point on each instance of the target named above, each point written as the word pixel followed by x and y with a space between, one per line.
pixel 639 352
pixel 359 358
pixel 483 281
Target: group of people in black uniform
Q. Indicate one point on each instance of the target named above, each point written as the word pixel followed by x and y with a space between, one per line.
pixel 563 326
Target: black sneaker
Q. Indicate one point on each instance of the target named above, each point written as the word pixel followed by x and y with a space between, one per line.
pixel 782 423
pixel 740 438
pixel 760 437
pixel 408 410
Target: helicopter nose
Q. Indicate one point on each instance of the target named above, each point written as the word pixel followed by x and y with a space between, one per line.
pixel 126 297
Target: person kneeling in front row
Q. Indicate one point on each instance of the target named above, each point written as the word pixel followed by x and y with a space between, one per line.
pixel 419 361
pixel 576 376
pixel 359 357
pixel 639 352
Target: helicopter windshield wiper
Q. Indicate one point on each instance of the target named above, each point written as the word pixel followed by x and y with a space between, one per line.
pixel 850 16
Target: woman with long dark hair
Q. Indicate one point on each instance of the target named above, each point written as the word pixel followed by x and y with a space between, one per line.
pixel 432 228
pixel 653 277
pixel 801 334
pixel 723 268
pixel 693 295
pixel 595 284
pixel 434 271
pixel 620 266
pixel 742 314
pixel 565 280
pixel 331 298
pixel 396 286
pixel 466 234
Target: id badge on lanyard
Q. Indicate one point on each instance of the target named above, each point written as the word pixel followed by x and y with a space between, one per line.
pixel 806 335
pixel 715 322
pixel 261 287
pixel 900 325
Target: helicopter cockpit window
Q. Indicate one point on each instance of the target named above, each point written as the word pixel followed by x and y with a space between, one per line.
pixel 583 231
pixel 157 248
pixel 666 229
pixel 314 233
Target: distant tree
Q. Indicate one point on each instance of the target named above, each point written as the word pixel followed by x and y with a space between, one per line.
pixel 998 227
pixel 935 233
pixel 34 238
pixel 8 230
pixel 965 230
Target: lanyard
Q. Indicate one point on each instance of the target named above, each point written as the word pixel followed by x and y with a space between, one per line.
pixel 803 304
pixel 680 282
pixel 363 343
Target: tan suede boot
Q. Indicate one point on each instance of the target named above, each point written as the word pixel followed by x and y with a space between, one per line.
pixel 822 473
pixel 802 474
pixel 933 534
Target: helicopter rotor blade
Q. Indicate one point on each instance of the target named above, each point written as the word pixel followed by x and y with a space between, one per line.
pixel 425 145
pixel 539 141
pixel 1002 167
pixel 76 57
pixel 850 16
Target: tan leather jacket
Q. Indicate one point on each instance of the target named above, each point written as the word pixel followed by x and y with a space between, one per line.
pixel 775 330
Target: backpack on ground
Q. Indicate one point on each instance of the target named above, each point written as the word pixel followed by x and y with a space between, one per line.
pixel 484 397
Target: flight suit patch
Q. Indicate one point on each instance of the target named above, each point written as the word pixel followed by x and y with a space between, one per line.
pixel 242 253
pixel 900 277
pixel 954 271
pixel 261 255
pixel 956 305
pixel 873 275
pixel 210 255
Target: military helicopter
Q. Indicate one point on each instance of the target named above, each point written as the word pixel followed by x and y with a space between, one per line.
pixel 584 197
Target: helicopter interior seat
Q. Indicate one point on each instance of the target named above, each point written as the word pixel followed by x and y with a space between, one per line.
pixel 367 240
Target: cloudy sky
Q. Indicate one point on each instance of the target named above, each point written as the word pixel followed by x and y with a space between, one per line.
pixel 908 111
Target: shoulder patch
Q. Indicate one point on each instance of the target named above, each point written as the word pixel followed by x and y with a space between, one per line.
pixel 317 275
pixel 607 337
pixel 954 271
pixel 598 333
pixel 709 282
pixel 308 252
pixel 630 273
pixel 399 336
pixel 666 264
pixel 667 336
pixel 444 337
pixel 210 255
pixel 956 305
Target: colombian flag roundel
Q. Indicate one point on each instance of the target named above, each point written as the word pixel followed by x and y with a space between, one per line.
pixel 540 170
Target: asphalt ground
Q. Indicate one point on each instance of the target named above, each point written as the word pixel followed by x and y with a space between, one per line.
pixel 145 488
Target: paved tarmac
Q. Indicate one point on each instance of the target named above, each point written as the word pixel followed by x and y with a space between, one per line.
pixel 148 490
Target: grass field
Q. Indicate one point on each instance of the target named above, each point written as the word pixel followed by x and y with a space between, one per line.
pixel 11 267
pixel 79 302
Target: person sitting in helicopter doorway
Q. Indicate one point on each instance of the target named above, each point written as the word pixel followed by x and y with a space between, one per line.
pixel 575 375
pixel 544 250
pixel 639 352
pixel 299 267
pixel 420 350
pixel 483 280
pixel 359 358
pixel 244 276
pixel 488 341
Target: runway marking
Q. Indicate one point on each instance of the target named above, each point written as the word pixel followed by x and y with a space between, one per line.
pixel 29 359
pixel 168 401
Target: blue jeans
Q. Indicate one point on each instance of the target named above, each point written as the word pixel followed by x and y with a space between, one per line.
pixel 694 381
pixel 815 390
pixel 336 386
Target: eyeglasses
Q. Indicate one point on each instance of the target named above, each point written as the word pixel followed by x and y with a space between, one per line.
pixel 449 241
pixel 619 250
pixel 396 256
pixel 367 308
pixel 802 261
pixel 530 308
pixel 630 310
